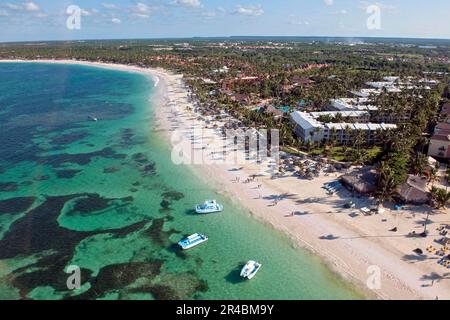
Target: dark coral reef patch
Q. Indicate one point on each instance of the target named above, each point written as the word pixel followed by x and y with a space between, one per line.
pixel 16 205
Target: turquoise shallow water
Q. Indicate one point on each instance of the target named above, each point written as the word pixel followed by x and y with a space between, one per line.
pixel 105 196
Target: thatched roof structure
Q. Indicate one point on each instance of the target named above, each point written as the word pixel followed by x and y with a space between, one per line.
pixel 414 191
pixel 274 112
pixel 363 181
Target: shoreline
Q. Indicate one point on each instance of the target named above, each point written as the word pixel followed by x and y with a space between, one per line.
pixel 347 247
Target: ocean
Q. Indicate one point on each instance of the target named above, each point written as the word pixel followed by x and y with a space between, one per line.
pixel 104 197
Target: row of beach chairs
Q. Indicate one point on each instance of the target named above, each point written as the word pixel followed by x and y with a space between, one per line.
pixel 333 187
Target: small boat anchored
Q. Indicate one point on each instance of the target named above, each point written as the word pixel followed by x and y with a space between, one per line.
pixel 192 241
pixel 210 206
pixel 95 119
pixel 250 269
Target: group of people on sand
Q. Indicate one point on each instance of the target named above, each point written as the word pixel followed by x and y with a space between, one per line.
pixel 248 180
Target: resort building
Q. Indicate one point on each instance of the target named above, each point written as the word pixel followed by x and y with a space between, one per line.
pixel 381 84
pixel 442 128
pixel 309 128
pixel 391 79
pixel 445 113
pixel 439 147
pixel 363 104
pixel 355 116
pixel 366 93
pixel 352 104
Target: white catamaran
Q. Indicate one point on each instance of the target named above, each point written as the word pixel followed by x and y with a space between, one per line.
pixel 250 269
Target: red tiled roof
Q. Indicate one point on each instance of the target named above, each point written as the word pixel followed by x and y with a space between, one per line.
pixel 273 111
pixel 441 137
pixel 302 80
pixel 446 109
pixel 443 126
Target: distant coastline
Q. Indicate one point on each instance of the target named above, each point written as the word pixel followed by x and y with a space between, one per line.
pixel 322 38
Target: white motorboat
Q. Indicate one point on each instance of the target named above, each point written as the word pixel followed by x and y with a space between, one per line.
pixel 192 241
pixel 210 206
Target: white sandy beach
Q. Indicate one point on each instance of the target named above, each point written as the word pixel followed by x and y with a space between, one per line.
pixel 349 245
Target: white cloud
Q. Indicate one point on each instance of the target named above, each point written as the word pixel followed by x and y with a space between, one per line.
pixel 329 2
pixel 116 21
pixel 85 12
pixel 295 20
pixel 24 7
pixel 249 10
pixel 41 15
pixel 12 6
pixel 188 3
pixel 141 10
pixel 299 23
pixel 209 14
pixel 31 6
pixel 110 6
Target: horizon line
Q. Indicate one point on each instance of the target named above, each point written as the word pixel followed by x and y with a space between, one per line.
pixel 231 37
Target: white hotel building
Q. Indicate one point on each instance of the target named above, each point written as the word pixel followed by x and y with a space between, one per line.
pixel 309 129
pixel 363 104
pixel 352 104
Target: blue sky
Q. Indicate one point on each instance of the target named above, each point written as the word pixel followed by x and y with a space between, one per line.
pixel 22 20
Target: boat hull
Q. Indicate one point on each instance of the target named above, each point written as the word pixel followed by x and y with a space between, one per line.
pixel 190 242
pixel 250 270
pixel 199 210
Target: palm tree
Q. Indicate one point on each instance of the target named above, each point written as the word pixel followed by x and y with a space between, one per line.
pixel 347 132
pixel 287 135
pixel 419 163
pixel 359 153
pixel 386 183
pixel 433 176
pixel 440 197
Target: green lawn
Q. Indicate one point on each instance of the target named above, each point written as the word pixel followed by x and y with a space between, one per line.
pixel 338 154
pixel 291 151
